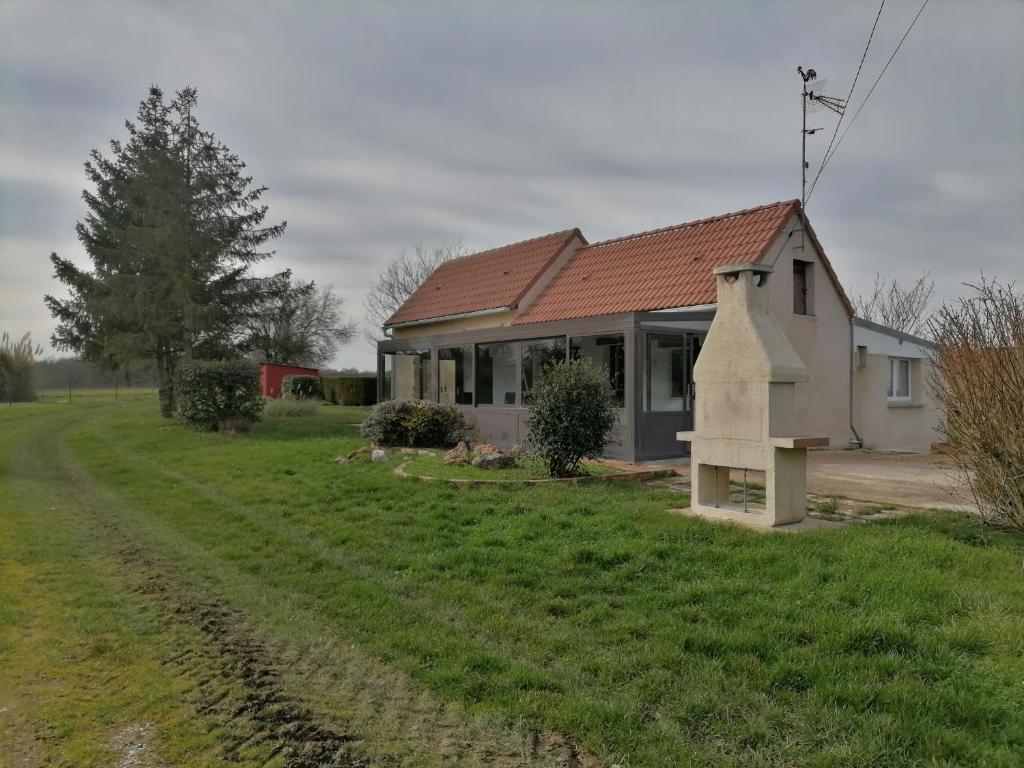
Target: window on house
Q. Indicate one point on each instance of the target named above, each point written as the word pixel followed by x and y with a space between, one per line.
pixel 455 376
pixel 899 378
pixel 803 286
pixel 497 373
pixel 407 374
pixel 607 353
pixel 664 373
pixel 538 353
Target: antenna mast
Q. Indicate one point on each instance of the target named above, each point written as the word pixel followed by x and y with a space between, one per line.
pixel 811 99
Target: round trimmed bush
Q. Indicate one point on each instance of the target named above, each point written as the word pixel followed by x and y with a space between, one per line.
pixel 302 387
pixel 416 424
pixel 572 415
pixel 213 391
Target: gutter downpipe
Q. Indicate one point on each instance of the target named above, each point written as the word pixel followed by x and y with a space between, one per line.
pixel 857 440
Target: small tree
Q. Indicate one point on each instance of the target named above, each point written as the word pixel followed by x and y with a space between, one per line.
pixel 401 276
pixel 572 415
pixel 978 378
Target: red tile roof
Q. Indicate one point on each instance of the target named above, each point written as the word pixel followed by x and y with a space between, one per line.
pixel 662 268
pixel 487 280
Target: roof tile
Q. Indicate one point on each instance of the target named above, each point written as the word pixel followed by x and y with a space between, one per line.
pixel 659 269
pixel 487 280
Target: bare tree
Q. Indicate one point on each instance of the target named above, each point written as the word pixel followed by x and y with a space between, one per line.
pixel 978 378
pixel 401 276
pixel 304 325
pixel 902 308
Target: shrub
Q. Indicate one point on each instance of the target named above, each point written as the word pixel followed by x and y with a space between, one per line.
pixel 978 378
pixel 350 390
pixel 302 387
pixel 212 391
pixel 416 424
pixel 17 369
pixel 571 415
pixel 291 408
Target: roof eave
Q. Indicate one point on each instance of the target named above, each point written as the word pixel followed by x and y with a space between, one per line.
pixel 445 318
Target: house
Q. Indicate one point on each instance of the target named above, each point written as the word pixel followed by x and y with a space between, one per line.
pixel 478 330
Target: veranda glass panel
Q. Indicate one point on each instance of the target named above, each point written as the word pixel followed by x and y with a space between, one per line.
pixel 407 374
pixel 607 353
pixel 538 353
pixel 664 370
pixel 455 376
pixel 497 373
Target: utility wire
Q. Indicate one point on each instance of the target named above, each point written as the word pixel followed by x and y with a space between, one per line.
pixel 835 149
pixel 853 85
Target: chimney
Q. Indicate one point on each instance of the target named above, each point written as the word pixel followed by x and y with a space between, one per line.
pixel 745 416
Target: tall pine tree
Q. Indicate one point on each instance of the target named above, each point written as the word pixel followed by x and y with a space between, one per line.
pixel 173 229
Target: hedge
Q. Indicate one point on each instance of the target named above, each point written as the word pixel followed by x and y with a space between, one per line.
pixel 350 390
pixel 211 391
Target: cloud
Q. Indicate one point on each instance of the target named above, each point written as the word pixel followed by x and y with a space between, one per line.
pixel 379 126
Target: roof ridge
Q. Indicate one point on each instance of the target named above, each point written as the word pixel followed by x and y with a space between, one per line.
pixel 694 223
pixel 565 232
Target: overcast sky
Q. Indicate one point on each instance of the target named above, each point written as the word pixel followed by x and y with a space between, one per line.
pixel 380 126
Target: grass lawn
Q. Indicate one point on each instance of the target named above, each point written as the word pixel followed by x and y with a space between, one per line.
pixel 194 587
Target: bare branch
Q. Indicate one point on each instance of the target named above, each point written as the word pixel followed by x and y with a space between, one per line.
pixel 978 378
pixel 401 277
pixel 902 308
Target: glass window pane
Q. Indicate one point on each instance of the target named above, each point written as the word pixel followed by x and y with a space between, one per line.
pixel 538 353
pixel 607 353
pixel 407 374
pixel 455 376
pixel 496 372
pixel 903 390
pixel 664 373
pixel 899 378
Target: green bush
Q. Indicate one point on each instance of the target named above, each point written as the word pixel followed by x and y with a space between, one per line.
pixel 350 390
pixel 211 391
pixel 571 415
pixel 302 387
pixel 291 408
pixel 417 424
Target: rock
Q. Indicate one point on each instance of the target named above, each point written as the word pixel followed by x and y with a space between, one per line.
pixel 493 460
pixel 485 448
pixel 457 455
pixel 378 456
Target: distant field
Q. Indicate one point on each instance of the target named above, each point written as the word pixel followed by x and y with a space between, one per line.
pixel 247 601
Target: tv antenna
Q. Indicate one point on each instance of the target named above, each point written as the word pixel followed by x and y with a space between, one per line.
pixel 812 100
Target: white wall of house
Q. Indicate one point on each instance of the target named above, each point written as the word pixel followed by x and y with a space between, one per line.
pixel 893 405
pixel 821 337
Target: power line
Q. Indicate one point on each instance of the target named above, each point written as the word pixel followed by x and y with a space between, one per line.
pixel 835 149
pixel 853 85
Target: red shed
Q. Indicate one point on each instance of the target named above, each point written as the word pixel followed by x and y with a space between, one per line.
pixel 271 376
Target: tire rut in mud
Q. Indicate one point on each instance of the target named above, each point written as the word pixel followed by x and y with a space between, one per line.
pixel 238 687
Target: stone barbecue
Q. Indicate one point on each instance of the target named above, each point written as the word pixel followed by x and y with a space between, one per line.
pixel 745 415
